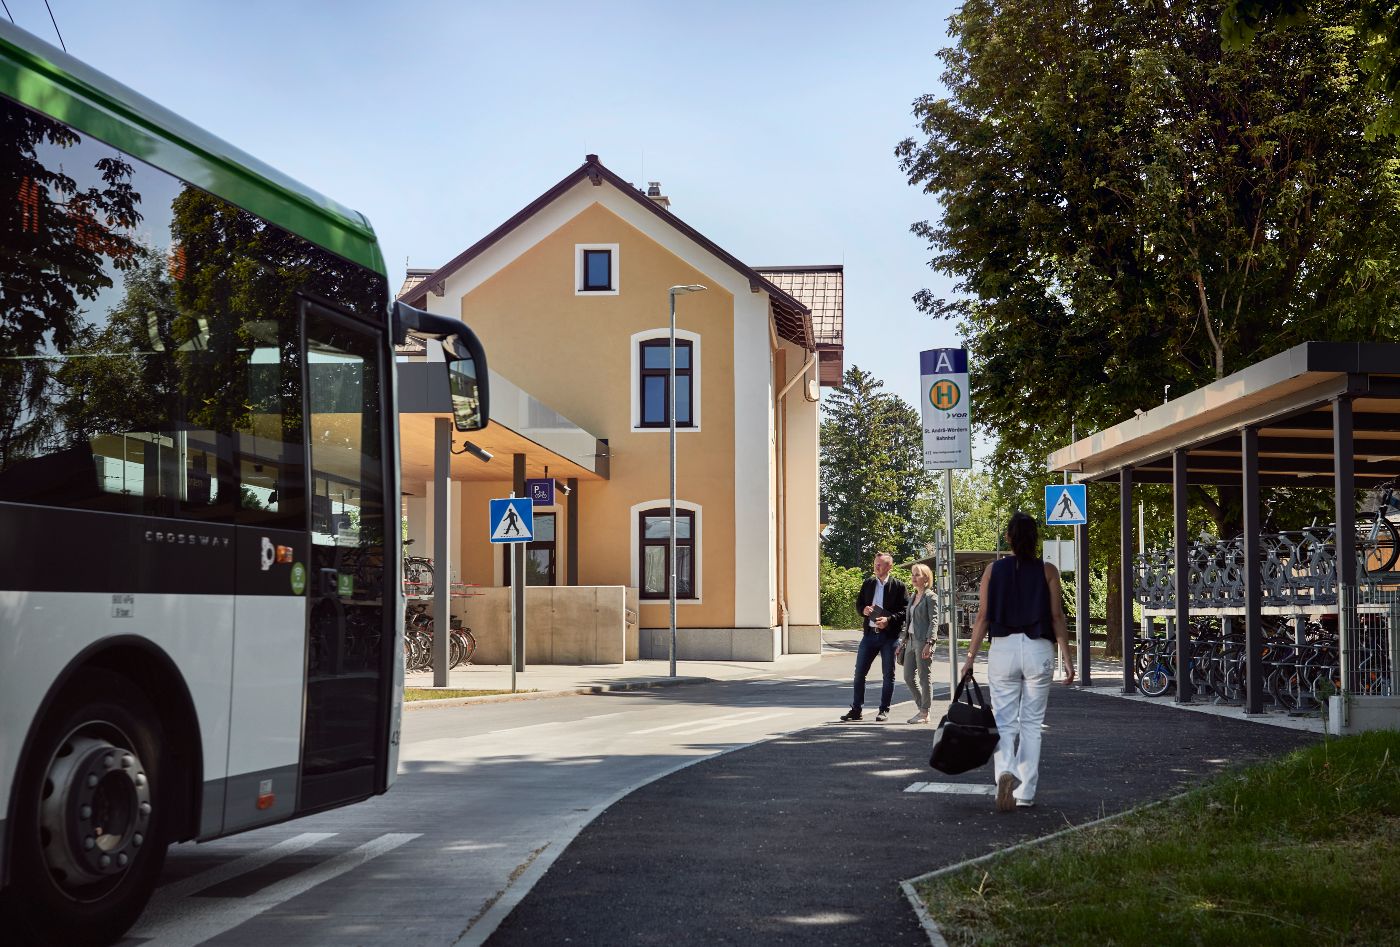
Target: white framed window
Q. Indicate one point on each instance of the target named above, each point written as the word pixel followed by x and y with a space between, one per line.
pixel 595 269
pixel 650 379
pixel 651 535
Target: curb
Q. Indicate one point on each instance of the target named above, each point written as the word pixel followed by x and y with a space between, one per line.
pixel 930 926
pixel 585 689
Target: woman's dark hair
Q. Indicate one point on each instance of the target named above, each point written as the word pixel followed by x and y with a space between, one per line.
pixel 1023 535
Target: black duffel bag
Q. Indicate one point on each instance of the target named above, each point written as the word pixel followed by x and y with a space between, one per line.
pixel 967 734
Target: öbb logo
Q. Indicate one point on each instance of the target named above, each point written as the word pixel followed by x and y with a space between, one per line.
pixel 944 395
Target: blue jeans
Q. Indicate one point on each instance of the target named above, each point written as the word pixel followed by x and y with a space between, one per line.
pixel 871 644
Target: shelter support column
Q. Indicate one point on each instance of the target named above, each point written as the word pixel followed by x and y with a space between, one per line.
pixel 1081 600
pixel 517 572
pixel 571 570
pixel 1253 587
pixel 1344 485
pixel 442 586
pixel 1181 579
pixel 1125 552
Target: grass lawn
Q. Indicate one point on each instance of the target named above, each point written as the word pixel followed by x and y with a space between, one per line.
pixel 437 693
pixel 1301 850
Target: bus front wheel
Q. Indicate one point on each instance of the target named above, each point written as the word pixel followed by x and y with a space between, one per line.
pixel 90 834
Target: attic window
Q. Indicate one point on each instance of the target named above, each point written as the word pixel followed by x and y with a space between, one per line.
pixel 595 269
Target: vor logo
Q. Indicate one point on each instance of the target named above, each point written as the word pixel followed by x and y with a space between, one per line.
pixel 944 395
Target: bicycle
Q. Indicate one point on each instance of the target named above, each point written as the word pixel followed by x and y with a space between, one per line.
pixel 417 573
pixel 1377 539
pixel 418 640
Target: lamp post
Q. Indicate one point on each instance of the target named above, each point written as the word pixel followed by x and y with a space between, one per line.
pixel 671 412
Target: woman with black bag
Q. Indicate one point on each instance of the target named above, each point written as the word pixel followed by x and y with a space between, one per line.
pixel 1020 608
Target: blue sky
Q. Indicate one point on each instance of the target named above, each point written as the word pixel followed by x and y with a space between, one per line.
pixel 771 125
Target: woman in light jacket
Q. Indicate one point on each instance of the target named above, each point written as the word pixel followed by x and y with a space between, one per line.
pixel 917 642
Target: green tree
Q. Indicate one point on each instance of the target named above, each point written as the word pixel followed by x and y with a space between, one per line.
pixel 1378 27
pixel 979 514
pixel 1130 211
pixel 872 474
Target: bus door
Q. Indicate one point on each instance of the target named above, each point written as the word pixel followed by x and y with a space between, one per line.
pixel 348 638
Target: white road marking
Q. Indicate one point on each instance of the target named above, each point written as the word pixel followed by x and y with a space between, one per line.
pixel 690 723
pixel 197 921
pixel 731 723
pixel 161 903
pixel 961 789
pixel 553 724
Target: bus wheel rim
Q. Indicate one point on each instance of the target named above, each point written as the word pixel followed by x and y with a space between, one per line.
pixel 96 810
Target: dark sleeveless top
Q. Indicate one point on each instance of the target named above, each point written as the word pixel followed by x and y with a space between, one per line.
pixel 1018 599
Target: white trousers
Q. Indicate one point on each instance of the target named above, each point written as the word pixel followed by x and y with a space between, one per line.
pixel 1019 672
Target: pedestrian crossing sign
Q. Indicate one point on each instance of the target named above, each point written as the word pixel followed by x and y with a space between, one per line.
pixel 512 520
pixel 1066 504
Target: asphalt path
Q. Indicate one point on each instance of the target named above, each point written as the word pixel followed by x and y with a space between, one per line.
pixel 803 839
pixel 486 798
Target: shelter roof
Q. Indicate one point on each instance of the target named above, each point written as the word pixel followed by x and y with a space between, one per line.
pixel 1286 398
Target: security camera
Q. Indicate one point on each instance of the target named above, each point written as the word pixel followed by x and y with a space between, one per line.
pixel 563 487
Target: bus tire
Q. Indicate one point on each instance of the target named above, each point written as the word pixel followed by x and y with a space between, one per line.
pixel 99 755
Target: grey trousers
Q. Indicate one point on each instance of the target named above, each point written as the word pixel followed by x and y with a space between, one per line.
pixel 915 662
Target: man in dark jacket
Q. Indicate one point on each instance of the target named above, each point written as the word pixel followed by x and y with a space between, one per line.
pixel 879 633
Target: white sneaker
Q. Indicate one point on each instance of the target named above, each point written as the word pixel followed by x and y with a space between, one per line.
pixel 919 718
pixel 1025 803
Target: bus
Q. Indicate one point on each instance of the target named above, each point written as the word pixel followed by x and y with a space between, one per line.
pixel 200 597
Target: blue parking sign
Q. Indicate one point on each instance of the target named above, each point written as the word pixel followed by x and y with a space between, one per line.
pixel 540 491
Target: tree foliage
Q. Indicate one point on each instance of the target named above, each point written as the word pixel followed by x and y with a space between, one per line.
pixel 1130 211
pixel 1378 27
pixel 872 473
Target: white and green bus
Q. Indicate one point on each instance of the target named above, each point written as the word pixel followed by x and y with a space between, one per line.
pixel 200 596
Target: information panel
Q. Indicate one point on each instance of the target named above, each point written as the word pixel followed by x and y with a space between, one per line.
pixel 947 414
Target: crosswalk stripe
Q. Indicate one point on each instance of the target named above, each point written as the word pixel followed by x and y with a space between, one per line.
pixel 166 894
pixel 553 724
pixel 687 723
pixel 731 723
pixel 958 789
pixel 197 920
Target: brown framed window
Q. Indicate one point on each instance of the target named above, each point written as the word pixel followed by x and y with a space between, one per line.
pixel 653 546
pixel 539 554
pixel 654 379
pixel 597 271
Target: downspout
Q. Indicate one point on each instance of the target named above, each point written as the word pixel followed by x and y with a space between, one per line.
pixel 782 492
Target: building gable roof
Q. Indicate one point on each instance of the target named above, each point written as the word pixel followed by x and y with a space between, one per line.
pixel 822 290
pixel 793 318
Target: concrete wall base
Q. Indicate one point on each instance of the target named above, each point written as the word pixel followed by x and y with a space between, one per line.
pixel 586 624
pixel 1360 713
pixel 804 639
pixel 712 644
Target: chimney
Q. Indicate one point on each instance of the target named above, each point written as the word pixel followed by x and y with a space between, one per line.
pixel 654 194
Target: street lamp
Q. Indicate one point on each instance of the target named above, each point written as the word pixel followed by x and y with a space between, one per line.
pixel 671 411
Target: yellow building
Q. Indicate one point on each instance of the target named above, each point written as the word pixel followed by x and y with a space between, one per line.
pixel 570 300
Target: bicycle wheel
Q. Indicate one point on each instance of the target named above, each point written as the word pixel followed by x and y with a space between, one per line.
pixel 1377 543
pixel 1155 680
pixel 456 651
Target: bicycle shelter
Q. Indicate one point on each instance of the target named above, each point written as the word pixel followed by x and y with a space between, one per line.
pixel 1318 414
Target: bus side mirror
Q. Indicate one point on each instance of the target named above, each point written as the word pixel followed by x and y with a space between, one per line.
pixel 466 380
pixel 466 362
